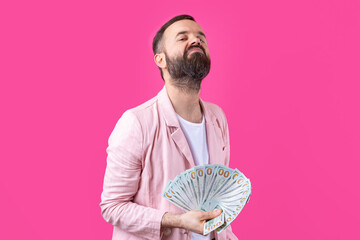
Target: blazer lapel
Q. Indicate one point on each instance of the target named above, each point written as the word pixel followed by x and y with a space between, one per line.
pixel 180 140
pixel 168 112
pixel 215 141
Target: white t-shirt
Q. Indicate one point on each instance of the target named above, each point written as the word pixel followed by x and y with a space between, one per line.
pixel 195 134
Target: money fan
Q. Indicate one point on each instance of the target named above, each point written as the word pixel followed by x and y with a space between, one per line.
pixel 210 187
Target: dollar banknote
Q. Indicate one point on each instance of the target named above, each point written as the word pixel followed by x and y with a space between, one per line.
pixel 210 187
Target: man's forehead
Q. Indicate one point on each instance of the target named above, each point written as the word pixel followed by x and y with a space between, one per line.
pixel 182 25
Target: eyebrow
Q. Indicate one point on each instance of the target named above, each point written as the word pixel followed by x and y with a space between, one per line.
pixel 183 32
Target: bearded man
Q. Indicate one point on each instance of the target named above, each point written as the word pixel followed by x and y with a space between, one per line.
pixel 159 139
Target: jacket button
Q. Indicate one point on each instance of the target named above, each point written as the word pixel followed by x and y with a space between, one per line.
pixel 167 232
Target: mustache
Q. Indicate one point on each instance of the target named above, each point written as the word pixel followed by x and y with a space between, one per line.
pixel 198 46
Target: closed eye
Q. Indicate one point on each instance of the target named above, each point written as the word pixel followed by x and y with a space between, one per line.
pixel 182 39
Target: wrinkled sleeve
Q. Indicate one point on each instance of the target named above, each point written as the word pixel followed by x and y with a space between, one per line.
pixel 121 181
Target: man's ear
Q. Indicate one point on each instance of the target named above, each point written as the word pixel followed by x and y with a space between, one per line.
pixel 160 61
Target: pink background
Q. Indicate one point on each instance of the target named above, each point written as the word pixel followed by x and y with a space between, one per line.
pixel 286 73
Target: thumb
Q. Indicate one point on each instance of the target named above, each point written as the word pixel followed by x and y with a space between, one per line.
pixel 213 214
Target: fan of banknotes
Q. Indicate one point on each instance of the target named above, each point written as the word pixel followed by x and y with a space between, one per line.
pixel 210 187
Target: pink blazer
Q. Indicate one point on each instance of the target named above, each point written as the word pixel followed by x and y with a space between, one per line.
pixel 147 148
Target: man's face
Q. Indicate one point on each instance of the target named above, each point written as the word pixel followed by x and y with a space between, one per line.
pixel 186 53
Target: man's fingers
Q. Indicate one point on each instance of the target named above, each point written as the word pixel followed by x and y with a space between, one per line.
pixel 212 214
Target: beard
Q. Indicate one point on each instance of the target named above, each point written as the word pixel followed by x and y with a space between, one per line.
pixel 188 71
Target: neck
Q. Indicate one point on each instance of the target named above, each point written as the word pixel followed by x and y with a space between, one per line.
pixel 185 103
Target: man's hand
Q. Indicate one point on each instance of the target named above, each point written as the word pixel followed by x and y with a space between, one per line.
pixel 193 220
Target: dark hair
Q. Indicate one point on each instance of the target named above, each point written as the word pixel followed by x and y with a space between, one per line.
pixel 158 45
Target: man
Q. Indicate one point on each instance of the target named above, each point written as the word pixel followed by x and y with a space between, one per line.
pixel 154 142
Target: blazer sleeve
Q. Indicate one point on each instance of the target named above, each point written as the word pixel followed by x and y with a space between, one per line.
pixel 121 182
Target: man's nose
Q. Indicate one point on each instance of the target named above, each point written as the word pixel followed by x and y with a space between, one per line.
pixel 195 41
